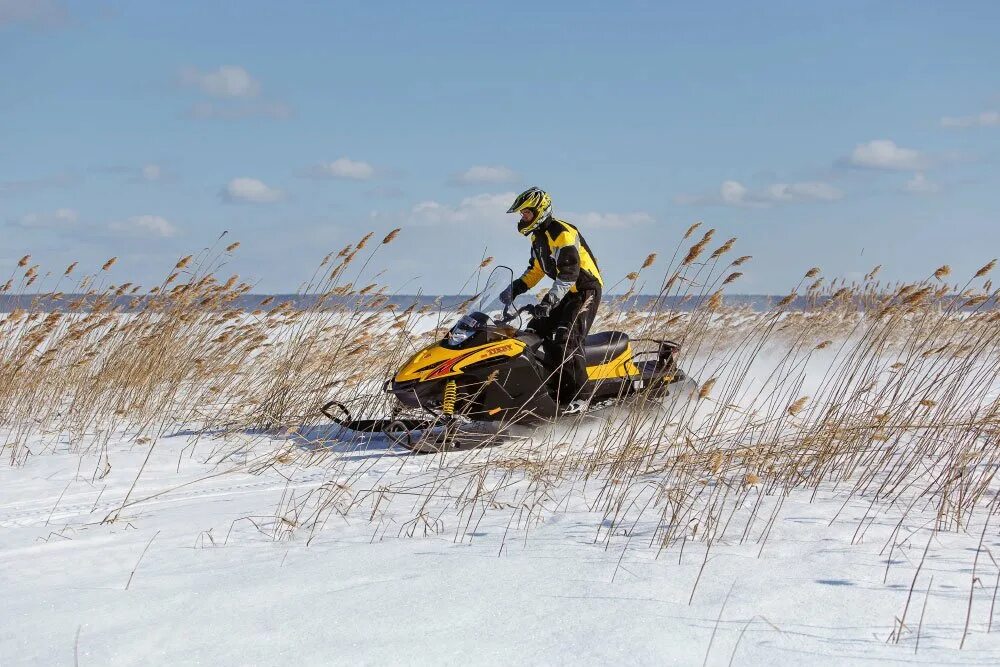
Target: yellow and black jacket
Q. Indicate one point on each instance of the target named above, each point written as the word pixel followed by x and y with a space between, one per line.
pixel 559 251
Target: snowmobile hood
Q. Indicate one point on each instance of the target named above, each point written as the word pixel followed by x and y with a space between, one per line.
pixel 437 361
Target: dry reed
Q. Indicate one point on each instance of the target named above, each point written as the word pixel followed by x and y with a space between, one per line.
pixel 890 391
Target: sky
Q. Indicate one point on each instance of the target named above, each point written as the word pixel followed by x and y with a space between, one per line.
pixel 840 135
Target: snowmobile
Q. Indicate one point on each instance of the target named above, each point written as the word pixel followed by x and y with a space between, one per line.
pixel 488 377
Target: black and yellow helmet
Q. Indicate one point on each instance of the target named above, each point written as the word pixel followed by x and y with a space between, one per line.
pixel 536 200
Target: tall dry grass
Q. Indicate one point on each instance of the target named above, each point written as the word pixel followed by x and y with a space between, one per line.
pixel 183 355
pixel 884 393
pixel 888 391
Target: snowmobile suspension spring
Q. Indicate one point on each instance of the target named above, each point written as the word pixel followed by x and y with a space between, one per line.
pixel 450 394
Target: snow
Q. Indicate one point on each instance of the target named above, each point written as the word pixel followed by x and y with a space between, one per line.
pixel 184 576
pixel 313 547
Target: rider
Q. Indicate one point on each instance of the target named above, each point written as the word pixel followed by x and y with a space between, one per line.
pixel 564 316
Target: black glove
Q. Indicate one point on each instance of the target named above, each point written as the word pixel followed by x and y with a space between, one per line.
pixel 514 290
pixel 541 310
pixel 548 303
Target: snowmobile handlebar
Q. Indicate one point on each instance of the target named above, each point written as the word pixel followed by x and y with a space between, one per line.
pixel 509 316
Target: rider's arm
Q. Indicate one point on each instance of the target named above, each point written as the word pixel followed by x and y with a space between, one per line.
pixel 566 250
pixel 530 277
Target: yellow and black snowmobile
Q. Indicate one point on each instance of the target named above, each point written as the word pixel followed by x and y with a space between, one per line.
pixel 488 375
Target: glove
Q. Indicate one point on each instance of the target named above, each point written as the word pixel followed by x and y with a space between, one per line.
pixel 514 290
pixel 541 310
pixel 544 307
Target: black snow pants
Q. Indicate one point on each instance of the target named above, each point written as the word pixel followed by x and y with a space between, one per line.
pixel 564 331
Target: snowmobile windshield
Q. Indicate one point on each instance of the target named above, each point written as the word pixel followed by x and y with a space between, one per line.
pixel 489 302
pixel 484 308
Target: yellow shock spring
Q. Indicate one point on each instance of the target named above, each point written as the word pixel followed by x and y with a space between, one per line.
pixel 450 394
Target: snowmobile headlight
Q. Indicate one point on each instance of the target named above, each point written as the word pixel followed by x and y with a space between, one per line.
pixel 459 335
pixel 462 330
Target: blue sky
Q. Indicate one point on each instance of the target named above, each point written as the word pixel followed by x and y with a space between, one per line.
pixel 842 135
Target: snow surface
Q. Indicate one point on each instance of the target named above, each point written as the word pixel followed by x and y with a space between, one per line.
pixel 187 550
pixel 184 576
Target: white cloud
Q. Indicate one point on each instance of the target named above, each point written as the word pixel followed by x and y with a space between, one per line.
pixel 920 185
pixel 236 110
pixel 478 208
pixel 595 220
pixel 491 209
pixel 485 175
pixel 146 225
pixel 344 168
pixel 734 193
pixel 41 13
pixel 250 190
pixel 66 215
pixel 885 154
pixel 984 119
pixel 236 95
pixel 228 81
pixel 61 217
pixel 816 191
pixel 151 172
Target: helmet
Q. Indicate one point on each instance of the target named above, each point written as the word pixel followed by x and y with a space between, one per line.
pixel 537 200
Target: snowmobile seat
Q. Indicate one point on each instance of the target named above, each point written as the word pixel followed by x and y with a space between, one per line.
pixel 601 348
